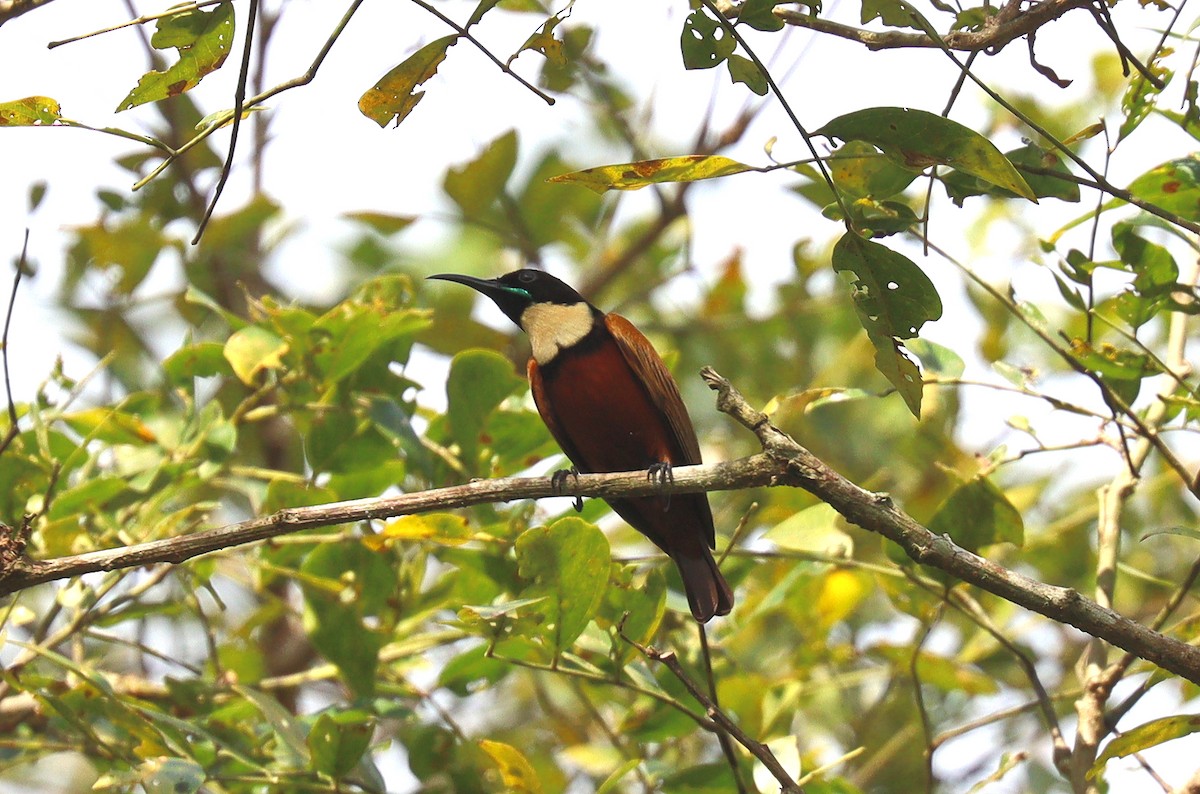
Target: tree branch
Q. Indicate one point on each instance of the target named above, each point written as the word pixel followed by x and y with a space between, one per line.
pixel 995 33
pixel 11 9
pixel 783 462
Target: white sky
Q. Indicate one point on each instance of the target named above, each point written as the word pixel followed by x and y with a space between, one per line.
pixel 327 159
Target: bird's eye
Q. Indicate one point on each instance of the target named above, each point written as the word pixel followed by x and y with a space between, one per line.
pixel 526 277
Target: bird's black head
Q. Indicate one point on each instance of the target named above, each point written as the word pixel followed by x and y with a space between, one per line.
pixel 516 291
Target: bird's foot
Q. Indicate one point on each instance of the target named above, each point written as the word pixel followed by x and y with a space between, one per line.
pixel 558 481
pixel 664 474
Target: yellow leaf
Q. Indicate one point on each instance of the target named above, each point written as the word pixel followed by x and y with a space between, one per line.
pixel 632 176
pixel 443 528
pixel 515 770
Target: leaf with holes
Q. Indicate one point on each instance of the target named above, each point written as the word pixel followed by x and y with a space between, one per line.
pixel 704 43
pixel 202 38
pixel 893 362
pixel 917 139
pixel 636 175
pixel 32 111
pixel 892 295
pixel 396 94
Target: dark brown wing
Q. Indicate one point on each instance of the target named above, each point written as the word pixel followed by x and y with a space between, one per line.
pixel 547 413
pixel 650 369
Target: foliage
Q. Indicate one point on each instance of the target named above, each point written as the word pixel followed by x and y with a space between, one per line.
pixel 498 647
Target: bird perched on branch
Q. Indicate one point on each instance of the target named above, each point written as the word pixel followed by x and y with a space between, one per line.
pixel 611 404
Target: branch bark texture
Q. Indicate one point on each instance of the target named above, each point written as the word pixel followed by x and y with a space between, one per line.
pixel 1006 25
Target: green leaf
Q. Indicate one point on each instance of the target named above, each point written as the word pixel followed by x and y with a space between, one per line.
pixel 110 426
pixel 542 41
pixel 960 186
pixel 382 223
pixel 252 350
pixel 89 495
pixel 353 331
pixel 636 601
pixel 479 380
pixel 947 675
pixel 917 139
pixel 202 38
pixel 1181 531
pixel 704 43
pixel 860 170
pixel 337 740
pixel 32 111
pixel 1155 280
pixel 892 295
pixel 199 360
pixel 609 785
pixel 891 359
pixel 471 670
pixel 566 562
pixel 476 186
pixel 871 218
pixel 1114 363
pixel 396 94
pixel 129 246
pixel 632 176
pixel 813 529
pixel 1174 186
pixel 936 358
pixel 481 9
pixel 746 71
pixel 757 14
pixel 1139 98
pixel 344 584
pixel 516 772
pixel 893 299
pixel 1145 736
pixel 978 514
pixel 893 13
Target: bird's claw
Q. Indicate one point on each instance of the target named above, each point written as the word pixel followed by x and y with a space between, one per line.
pixel 558 481
pixel 662 472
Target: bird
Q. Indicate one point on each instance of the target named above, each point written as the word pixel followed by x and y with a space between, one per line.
pixel 611 404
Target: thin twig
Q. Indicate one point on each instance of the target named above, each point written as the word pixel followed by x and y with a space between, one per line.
pixel 723 738
pixel 466 34
pixel 12 431
pixel 304 79
pixel 239 99
pixel 787 108
pixel 919 696
pixel 787 784
pixel 141 20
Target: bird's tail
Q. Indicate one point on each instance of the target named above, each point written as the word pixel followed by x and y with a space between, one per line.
pixel 707 591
